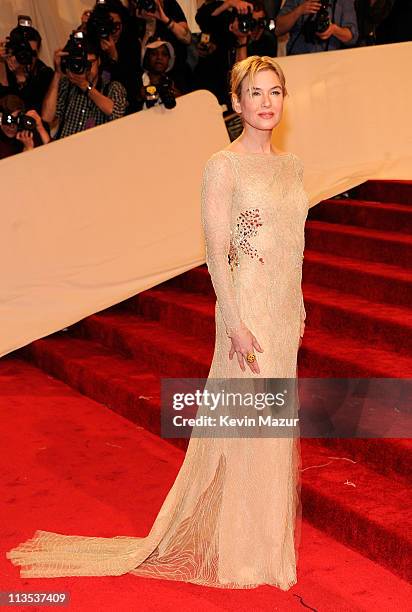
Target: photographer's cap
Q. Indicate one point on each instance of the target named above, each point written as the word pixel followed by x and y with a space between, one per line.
pixel 158 43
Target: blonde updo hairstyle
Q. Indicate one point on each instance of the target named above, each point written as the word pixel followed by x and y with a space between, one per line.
pixel 247 68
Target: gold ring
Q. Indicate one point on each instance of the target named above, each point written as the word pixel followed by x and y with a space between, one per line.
pixel 251 357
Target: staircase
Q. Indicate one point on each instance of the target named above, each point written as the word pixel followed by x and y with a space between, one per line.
pixel 357 287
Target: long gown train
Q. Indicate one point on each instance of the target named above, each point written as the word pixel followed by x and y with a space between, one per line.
pixel 232 518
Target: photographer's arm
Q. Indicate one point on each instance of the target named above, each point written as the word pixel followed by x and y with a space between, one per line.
pixel 240 5
pixel 115 101
pixel 291 11
pixel 48 112
pixel 241 50
pixel 348 31
pixel 241 40
pixel 181 30
pixel 176 24
pixel 343 34
pixel 4 81
pixel 105 103
pixel 284 23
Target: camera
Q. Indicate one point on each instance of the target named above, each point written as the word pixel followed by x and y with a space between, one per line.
pixel 146 5
pixel 100 25
pixel 22 121
pixel 18 44
pixel 76 61
pixel 162 91
pixel 247 23
pixel 165 92
pixel 319 22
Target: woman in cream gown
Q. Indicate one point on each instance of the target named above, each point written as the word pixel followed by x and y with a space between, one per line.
pixel 232 517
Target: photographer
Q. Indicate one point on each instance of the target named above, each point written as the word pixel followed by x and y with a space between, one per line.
pixel 258 39
pixel 370 14
pixel 396 26
pixel 317 25
pixel 109 27
pixel 158 87
pixel 80 101
pixel 28 78
pixel 217 44
pixel 166 20
pixel 14 139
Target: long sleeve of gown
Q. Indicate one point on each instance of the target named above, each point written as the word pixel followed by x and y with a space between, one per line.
pixel 216 205
pixel 300 172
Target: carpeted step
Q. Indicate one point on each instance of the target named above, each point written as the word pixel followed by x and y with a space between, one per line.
pixel 373 215
pixel 387 329
pixel 358 506
pixel 169 353
pixel 190 313
pixel 378 282
pixel 391 457
pixel 122 384
pixel 196 280
pixel 380 324
pixel 366 244
pixel 384 191
pixel 337 357
pixel 165 352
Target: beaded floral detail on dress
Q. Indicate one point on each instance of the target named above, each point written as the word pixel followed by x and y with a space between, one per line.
pixel 247 224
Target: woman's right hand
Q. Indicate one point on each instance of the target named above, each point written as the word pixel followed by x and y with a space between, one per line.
pixel 309 6
pixel 244 342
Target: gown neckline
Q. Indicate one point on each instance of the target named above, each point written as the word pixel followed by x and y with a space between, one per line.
pixel 269 155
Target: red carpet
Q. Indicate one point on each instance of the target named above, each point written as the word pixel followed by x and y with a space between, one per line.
pixel 64 446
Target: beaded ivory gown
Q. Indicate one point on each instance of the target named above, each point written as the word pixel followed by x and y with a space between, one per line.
pixel 232 518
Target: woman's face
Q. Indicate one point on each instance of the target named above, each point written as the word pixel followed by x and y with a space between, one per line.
pixel 10 130
pixel 262 108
